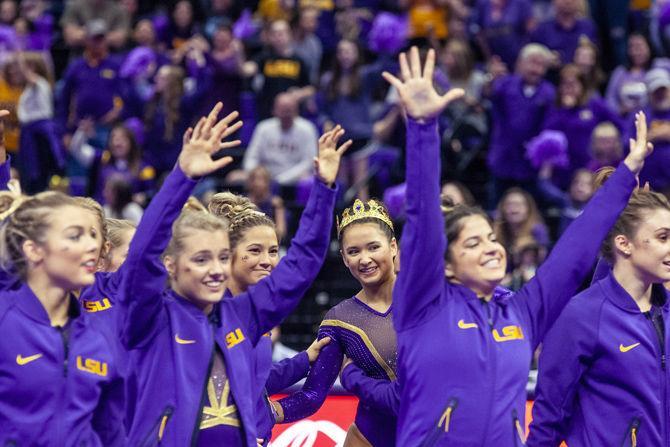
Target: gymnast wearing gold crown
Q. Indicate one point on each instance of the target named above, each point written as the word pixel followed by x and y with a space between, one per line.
pixel 360 327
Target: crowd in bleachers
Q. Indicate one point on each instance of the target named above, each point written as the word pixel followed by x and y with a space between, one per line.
pixel 101 92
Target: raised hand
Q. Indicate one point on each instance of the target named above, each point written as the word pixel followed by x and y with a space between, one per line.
pixel 417 94
pixel 640 147
pixel 201 143
pixel 328 162
pixel 3 150
pixel 315 348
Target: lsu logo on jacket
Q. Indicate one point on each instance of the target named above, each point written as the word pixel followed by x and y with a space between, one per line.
pixel 234 338
pixel 97 306
pixel 92 366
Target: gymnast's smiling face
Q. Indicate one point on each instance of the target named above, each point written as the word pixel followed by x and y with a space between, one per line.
pixel 475 258
pixel 369 253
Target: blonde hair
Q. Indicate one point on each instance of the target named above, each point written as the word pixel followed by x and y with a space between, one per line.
pixel 241 214
pixel 192 218
pixel 29 222
pixel 115 230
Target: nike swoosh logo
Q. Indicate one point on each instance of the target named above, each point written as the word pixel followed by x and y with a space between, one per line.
pixel 463 325
pixel 25 360
pixel 623 348
pixel 181 341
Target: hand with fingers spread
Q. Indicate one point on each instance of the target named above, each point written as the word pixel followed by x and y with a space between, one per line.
pixel 3 150
pixel 640 147
pixel 417 94
pixel 201 143
pixel 328 162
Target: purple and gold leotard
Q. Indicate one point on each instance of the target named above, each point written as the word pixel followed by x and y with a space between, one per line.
pixel 365 336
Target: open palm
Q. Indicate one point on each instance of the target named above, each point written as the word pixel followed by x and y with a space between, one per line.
pixel 327 164
pixel 200 144
pixel 640 147
pixel 417 94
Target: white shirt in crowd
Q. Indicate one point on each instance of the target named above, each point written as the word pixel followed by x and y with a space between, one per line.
pixel 288 155
pixel 36 102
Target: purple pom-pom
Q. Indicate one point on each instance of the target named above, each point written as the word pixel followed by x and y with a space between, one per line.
pixel 245 27
pixel 388 34
pixel 137 62
pixel 550 146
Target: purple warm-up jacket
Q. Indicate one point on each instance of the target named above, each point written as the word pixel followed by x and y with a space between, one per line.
pixel 272 378
pixel 603 377
pixel 471 390
pixel 58 386
pixel 174 341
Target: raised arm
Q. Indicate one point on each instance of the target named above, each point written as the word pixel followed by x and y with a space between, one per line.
pixel 423 242
pixel 267 303
pixel 575 252
pixel 381 394
pixel 144 274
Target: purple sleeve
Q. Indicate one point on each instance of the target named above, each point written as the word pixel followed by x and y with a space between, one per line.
pixel 603 269
pixel 558 278
pixel 423 243
pixel 146 277
pixel 321 377
pixel 5 173
pixel 267 303
pixel 564 357
pixel 384 395
pixel 287 372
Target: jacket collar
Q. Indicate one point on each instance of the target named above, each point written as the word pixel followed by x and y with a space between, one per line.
pixel 622 299
pixel 30 305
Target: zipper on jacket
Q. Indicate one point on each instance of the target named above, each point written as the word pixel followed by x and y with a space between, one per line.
pixel 518 428
pixel 489 316
pixel 157 430
pixel 442 425
pixel 656 319
pixel 66 347
pixel 203 394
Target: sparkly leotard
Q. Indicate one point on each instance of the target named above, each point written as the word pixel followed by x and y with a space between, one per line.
pixel 365 336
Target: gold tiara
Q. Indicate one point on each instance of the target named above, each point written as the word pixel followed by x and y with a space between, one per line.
pixel 361 210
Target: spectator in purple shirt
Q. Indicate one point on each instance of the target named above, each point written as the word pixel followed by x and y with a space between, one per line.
pixel 503 27
pixel 587 59
pixel 562 33
pixel 626 91
pixel 576 115
pixel 91 85
pixel 519 104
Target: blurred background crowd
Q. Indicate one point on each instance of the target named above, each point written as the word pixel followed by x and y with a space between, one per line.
pixel 101 92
